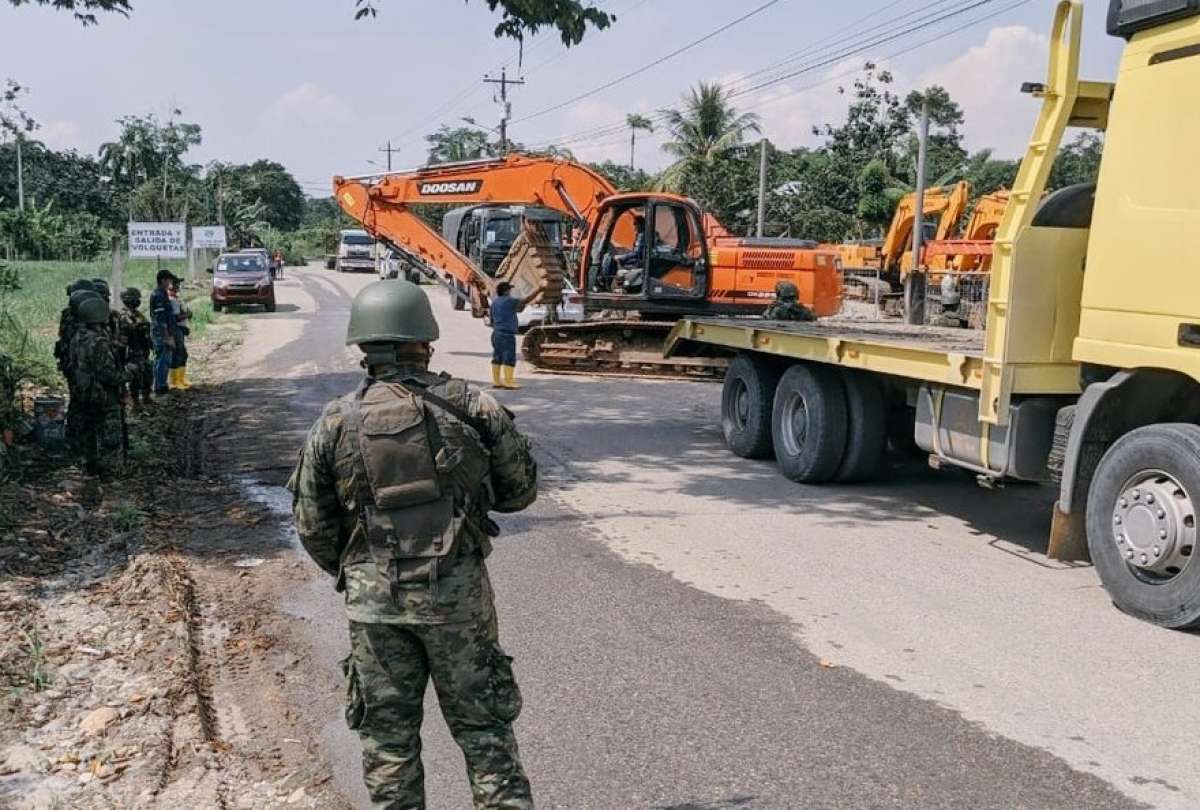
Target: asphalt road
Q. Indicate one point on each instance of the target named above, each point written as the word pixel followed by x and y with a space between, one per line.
pixel 694 632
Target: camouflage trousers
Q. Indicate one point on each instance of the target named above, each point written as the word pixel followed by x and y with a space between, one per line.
pixel 387 671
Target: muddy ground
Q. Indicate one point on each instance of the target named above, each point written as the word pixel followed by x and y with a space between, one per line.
pixel 142 663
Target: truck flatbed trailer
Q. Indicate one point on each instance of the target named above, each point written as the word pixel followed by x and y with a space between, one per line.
pixel 931 353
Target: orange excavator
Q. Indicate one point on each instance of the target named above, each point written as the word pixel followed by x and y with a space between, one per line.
pixel 646 259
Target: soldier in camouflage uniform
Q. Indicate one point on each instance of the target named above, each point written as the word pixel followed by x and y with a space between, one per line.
pixel 96 378
pixel 787 306
pixel 68 325
pixel 391 497
pixel 133 335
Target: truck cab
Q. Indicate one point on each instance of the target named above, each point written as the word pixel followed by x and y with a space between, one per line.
pixel 485 233
pixel 356 250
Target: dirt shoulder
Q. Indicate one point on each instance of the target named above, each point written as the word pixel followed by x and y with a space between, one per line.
pixel 144 661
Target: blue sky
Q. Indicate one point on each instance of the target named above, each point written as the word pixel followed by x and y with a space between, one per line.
pixel 301 82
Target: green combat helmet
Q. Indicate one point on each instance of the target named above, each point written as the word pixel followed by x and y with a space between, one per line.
pixel 786 291
pixel 391 311
pixel 101 286
pixel 131 297
pixel 93 310
pixel 78 297
pixel 79 284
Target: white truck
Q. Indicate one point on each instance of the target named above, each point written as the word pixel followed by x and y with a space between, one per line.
pixel 355 250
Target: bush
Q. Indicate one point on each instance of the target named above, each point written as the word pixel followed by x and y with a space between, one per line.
pixel 41 233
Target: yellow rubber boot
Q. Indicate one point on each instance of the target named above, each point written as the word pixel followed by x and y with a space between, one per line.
pixel 496 381
pixel 182 382
pixel 510 373
pixel 173 379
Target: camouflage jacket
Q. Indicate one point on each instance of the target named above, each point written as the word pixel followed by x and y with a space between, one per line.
pixel 788 311
pixel 133 333
pixel 96 374
pixel 327 493
pixel 66 335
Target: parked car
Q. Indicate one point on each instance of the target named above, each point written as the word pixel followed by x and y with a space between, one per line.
pixel 241 279
pixel 569 309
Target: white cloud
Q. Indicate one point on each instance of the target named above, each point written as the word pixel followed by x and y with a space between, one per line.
pixel 308 105
pixel 985 81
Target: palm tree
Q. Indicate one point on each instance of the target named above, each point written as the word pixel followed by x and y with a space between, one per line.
pixel 636 122
pixel 706 126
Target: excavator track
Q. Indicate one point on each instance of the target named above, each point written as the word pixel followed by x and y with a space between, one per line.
pixel 619 348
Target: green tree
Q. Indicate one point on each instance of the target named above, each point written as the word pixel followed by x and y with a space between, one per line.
pixel 706 126
pixel 71 181
pixel 1077 162
pixel 635 121
pixel 84 10
pixel 875 204
pixel 262 181
pixel 461 143
pixel 987 174
pixel 521 18
pixel 622 177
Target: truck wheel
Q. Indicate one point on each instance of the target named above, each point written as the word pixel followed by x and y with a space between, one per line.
pixel 216 307
pixel 866 429
pixel 808 423
pixel 330 264
pixel 1141 524
pixel 746 402
pixel 456 300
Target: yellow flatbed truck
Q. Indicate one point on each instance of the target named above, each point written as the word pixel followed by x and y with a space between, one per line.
pixel 1087 374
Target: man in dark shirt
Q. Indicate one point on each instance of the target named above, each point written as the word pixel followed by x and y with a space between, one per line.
pixel 504 311
pixel 162 328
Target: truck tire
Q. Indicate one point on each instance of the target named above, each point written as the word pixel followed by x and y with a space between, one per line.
pixel 866 428
pixel 456 300
pixel 330 264
pixel 808 423
pixel 746 402
pixel 1149 481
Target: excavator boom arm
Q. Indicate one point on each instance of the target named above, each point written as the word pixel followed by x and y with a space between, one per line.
pixel 383 203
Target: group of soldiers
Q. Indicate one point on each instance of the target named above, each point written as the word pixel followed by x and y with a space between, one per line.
pixel 105 357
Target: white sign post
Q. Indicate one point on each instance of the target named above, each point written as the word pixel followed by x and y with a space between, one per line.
pixel 208 237
pixel 157 240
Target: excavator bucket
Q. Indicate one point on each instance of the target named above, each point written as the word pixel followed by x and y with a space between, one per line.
pixel 534 264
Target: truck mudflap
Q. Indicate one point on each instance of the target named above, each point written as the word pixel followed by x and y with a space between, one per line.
pixel 623 348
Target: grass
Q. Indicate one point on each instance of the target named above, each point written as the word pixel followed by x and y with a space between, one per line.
pixel 128 516
pixel 37 305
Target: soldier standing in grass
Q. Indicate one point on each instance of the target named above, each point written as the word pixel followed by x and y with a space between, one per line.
pixel 391 496
pixel 134 336
pixel 68 322
pixel 96 378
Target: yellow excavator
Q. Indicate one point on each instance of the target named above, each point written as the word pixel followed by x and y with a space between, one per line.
pixel 875 271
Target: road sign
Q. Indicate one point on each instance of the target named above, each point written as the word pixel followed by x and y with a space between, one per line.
pixel 163 240
pixel 209 236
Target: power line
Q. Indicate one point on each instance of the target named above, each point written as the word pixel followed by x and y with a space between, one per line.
pixel 857 33
pixel 848 50
pixel 655 63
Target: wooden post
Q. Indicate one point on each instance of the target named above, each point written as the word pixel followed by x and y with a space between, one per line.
pixel 117 280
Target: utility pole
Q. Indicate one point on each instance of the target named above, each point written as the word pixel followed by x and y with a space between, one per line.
pixel 505 107
pixel 914 284
pixel 389 151
pixel 20 177
pixel 762 186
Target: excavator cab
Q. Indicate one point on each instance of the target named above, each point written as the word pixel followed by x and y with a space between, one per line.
pixel 645 250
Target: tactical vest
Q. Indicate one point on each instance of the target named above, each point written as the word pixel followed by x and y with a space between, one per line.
pixel 422 488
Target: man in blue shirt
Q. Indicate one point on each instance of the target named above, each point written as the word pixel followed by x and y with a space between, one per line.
pixel 504 311
pixel 162 328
